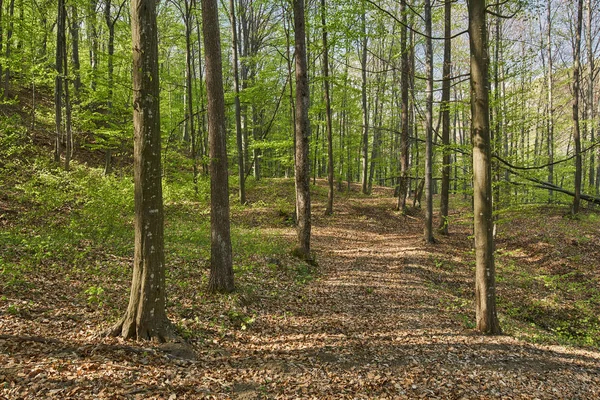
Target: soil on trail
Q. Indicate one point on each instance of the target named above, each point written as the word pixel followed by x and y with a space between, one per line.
pixel 370 326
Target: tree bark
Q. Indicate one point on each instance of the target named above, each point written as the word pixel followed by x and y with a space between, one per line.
pixel 238 111
pixel 302 130
pixel 365 108
pixel 428 232
pixel 329 207
pixel 58 80
pixel 485 286
pixel 221 268
pixel 550 100
pixel 404 138
pixel 590 93
pixel 146 317
pixel 576 129
pixel 447 158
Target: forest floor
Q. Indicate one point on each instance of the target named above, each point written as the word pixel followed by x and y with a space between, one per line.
pixel 384 315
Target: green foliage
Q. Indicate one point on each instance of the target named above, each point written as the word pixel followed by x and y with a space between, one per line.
pixel 95 296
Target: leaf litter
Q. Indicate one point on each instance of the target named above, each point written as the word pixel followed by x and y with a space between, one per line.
pixel 382 317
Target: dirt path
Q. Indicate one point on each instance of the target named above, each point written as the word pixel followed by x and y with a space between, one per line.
pixel 373 325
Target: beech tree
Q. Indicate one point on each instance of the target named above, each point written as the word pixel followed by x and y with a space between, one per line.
pixel 485 286
pixel 221 268
pixel 302 133
pixel 146 316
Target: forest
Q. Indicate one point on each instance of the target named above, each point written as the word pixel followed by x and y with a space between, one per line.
pixel 263 199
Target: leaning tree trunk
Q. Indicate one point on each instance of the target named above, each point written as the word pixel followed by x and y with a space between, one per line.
pixel 146 317
pixel 302 130
pixel 447 159
pixel 221 268
pixel 576 130
pixel 485 286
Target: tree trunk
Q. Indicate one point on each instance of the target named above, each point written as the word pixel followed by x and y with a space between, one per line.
pixel 189 106
pixel 428 233
pixel 75 53
pixel 146 317
pixel 365 109
pixel 238 115
pixel 485 287
pixel 302 130
pixel 9 33
pixel 590 93
pixel 447 160
pixel 550 101
pixel 404 138
pixel 329 207
pixel 221 268
pixel 58 81
pixel 576 130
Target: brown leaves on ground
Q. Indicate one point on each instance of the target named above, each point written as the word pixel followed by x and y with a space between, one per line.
pixel 382 320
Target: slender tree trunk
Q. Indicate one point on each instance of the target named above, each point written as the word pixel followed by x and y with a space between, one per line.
pixel 68 136
pixel 365 109
pixel 550 82
pixel 146 317
pixel 189 117
pixel 485 286
pixel 93 37
pixel 221 268
pixel 428 127
pixel 447 159
pixel 238 112
pixel 404 136
pixel 58 81
pixel 75 52
pixel 302 135
pixel 9 34
pixel 329 207
pixel 576 130
pixel 590 94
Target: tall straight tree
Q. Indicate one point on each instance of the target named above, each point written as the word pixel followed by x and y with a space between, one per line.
pixel 404 143
pixel 302 134
pixel 221 267
pixel 576 129
pixel 550 82
pixel 61 42
pixel 146 316
pixel 365 106
pixel 485 275
pixel 447 159
pixel 329 208
pixel 428 234
pixel 590 93
pixel 238 108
